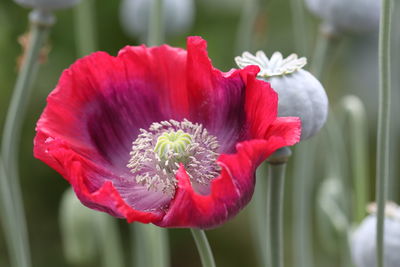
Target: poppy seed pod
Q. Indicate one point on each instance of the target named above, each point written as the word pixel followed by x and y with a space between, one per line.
pixel 300 93
pixel 363 240
pixel 178 16
pixel 47 4
pixel 347 15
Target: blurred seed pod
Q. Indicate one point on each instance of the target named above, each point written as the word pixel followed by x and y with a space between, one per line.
pixel 77 230
pixel 178 16
pixel 47 4
pixel 300 93
pixel 347 15
pixel 363 239
pixel 331 215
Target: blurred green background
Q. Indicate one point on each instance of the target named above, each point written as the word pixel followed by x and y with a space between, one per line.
pixel 352 69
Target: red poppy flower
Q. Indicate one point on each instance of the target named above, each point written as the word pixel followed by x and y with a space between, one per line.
pixel 158 135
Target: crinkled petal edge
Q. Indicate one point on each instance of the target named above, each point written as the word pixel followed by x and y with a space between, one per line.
pixel 77 169
pixel 233 189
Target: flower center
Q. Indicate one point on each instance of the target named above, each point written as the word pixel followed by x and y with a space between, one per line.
pixel 173 145
pixel 158 152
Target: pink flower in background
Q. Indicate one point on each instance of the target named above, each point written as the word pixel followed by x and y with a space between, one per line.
pixel 158 135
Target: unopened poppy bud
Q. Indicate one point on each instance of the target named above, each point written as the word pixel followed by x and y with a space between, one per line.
pixel 300 93
pixel 363 239
pixel 47 4
pixel 77 231
pixel 178 16
pixel 347 15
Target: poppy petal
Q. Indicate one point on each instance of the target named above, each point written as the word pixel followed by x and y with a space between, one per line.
pixel 216 99
pixel 230 192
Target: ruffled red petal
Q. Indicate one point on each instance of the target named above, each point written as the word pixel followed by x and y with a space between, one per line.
pixel 92 184
pixel 288 128
pixel 102 101
pixel 163 69
pixel 107 198
pixel 216 99
pixel 233 189
pixel 230 192
pixel 261 106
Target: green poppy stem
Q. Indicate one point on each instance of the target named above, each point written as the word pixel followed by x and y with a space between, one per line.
pixel 336 206
pixel 382 157
pixel 303 180
pixel 325 47
pixel 318 60
pixel 245 31
pixel 206 255
pixel 18 251
pixel 275 201
pixel 109 246
pixel 151 246
pixel 358 129
pixel 85 29
pixel 258 214
pixel 41 22
pixel 156 23
pixel 300 28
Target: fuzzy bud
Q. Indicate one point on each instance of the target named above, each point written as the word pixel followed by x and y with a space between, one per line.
pixel 300 93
